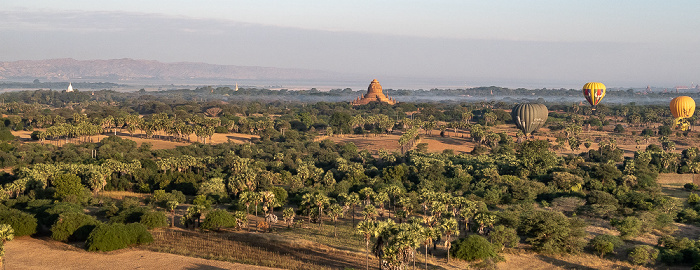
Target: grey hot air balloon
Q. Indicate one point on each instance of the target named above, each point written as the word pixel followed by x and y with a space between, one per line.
pixel 529 117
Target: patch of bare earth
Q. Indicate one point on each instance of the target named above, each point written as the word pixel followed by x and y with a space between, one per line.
pixel 163 142
pixel 31 253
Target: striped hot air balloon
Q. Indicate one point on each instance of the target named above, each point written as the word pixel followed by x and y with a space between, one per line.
pixel 681 108
pixel 594 92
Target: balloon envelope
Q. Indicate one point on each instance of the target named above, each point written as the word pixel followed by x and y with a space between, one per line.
pixel 594 92
pixel 682 107
pixel 529 117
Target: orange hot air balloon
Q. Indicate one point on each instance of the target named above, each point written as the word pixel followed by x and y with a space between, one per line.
pixel 682 107
pixel 594 92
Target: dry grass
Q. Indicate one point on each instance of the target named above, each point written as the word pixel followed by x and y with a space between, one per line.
pixel 32 253
pixel 157 143
pixel 119 195
pixel 251 248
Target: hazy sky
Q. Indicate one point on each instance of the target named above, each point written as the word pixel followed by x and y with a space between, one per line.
pixel 510 43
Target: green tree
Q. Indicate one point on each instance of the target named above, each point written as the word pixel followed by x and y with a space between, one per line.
pixel 605 243
pixel 449 228
pixel 643 254
pixel 217 219
pixel 69 188
pixel 629 227
pixel 552 232
pixel 474 247
pixel 368 229
pixel 428 234
pixel 502 237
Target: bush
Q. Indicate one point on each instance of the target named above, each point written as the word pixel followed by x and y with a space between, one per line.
pixel 73 226
pixel 154 219
pixel 69 188
pixel 552 232
pixel 161 197
pixel 49 216
pixel 108 237
pixel 690 187
pixel 605 243
pixel 218 219
pixel 23 223
pixel 619 129
pixel 503 237
pixel 472 248
pixel 693 199
pixel 6 135
pixel 129 215
pixel 687 215
pixel 629 227
pixel 643 254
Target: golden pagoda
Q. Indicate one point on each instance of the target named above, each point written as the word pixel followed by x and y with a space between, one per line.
pixel 374 93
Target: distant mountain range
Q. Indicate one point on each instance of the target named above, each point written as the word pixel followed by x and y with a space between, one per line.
pixel 125 70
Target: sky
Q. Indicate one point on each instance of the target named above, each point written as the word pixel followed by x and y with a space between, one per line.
pixel 537 43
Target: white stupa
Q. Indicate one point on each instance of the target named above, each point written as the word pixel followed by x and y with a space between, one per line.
pixel 70 87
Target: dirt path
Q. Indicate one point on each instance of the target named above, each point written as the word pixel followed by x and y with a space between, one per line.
pixel 31 253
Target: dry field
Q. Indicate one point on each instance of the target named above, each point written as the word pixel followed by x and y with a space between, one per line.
pixel 31 253
pixel 25 136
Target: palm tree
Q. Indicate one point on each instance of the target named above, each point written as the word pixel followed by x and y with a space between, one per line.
pixel 484 220
pixel 269 200
pixel 172 205
pixel 428 234
pixel 379 199
pixel 369 211
pixel 467 212
pixel 449 227
pixel 288 216
pixel 335 211
pixel 320 201
pixel 393 191
pixel 351 200
pixel 307 204
pixel 6 235
pixel 256 198
pixel 368 229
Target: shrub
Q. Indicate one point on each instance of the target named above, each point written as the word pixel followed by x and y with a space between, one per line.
pixel 23 223
pixel 619 129
pixel 629 227
pixel 643 254
pixel 69 188
pixel 6 135
pixel 605 243
pixel 280 195
pixel 693 199
pixel 218 219
pixel 503 237
pixel 50 215
pixel 472 248
pixel 552 232
pixel 687 215
pixel 73 226
pixel 154 219
pixel 129 215
pixel 690 187
pixel 108 237
pixel 161 197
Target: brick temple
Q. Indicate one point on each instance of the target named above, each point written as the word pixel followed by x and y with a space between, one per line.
pixel 374 93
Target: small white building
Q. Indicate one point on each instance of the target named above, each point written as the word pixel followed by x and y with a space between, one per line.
pixel 70 87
